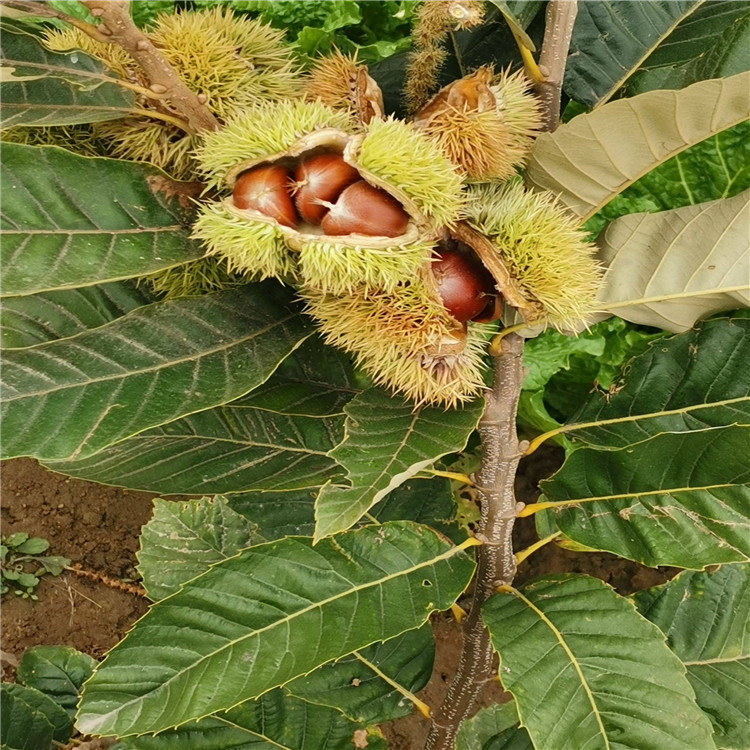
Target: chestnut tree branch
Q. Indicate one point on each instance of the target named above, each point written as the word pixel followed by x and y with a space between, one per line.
pixel 118 28
pixel 496 563
pixel 501 451
pixel 561 15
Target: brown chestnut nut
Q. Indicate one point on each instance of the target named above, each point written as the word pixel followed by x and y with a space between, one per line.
pixel 364 209
pixel 266 188
pixel 464 287
pixel 492 311
pixel 321 178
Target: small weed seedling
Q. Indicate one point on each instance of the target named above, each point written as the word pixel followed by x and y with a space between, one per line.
pixel 23 564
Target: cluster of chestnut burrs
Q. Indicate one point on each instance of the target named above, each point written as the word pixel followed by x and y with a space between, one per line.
pixel 323 191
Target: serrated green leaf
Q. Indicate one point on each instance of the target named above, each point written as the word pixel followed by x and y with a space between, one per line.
pixel 48 316
pixel 24 727
pixel 40 87
pixel 718 167
pixel 710 43
pixel 705 617
pixel 27 580
pixel 280 514
pixel 678 499
pixel 56 671
pixel 353 685
pixel 71 398
pixel 594 157
pixel 183 539
pixel 691 381
pixel 387 442
pixel 315 381
pixel 594 72
pixel 71 221
pixel 223 450
pixel 36 705
pixel 273 722
pixel 493 728
pixel 675 267
pixel 587 670
pixel 222 634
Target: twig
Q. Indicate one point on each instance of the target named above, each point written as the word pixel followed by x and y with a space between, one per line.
pixel 118 28
pixel 42 9
pixel 496 563
pixel 92 575
pixel 561 15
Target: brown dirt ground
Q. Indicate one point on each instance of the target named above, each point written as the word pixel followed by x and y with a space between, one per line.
pixel 98 527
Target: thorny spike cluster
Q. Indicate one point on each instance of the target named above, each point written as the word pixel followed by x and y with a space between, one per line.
pixel 401 253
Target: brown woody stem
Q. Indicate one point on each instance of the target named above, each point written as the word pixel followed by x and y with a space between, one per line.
pixel 118 28
pixel 501 451
pixel 561 15
pixel 496 564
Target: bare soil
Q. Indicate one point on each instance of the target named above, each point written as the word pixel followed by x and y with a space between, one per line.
pixel 98 527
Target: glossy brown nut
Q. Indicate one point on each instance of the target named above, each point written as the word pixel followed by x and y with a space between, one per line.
pixel 267 189
pixel 492 311
pixel 464 288
pixel 364 209
pixel 321 178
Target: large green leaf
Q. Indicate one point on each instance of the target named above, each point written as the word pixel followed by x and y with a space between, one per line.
pixel 695 380
pixel 273 722
pixel 24 727
pixel 387 441
pixel 35 704
pixel 72 220
pixel 561 370
pixel 710 43
pixel 265 616
pixel 56 671
pixel 587 670
pixel 40 87
pixel 706 618
pixel 280 514
pixel 368 686
pixel 47 316
pixel 672 268
pixel 493 728
pixel 718 167
pixel 610 39
pixel 316 381
pixel 678 499
pixel 589 160
pixel 227 449
pixel 71 398
pixel 183 539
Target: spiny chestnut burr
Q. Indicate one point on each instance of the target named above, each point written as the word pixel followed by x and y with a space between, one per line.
pixel 364 209
pixel 265 188
pixel 321 178
pixel 465 288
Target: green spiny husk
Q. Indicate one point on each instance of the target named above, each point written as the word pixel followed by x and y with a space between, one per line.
pixel 265 131
pixel 542 247
pixel 234 61
pixel 400 156
pixel 202 276
pixel 338 268
pixel 255 248
pixel 405 340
